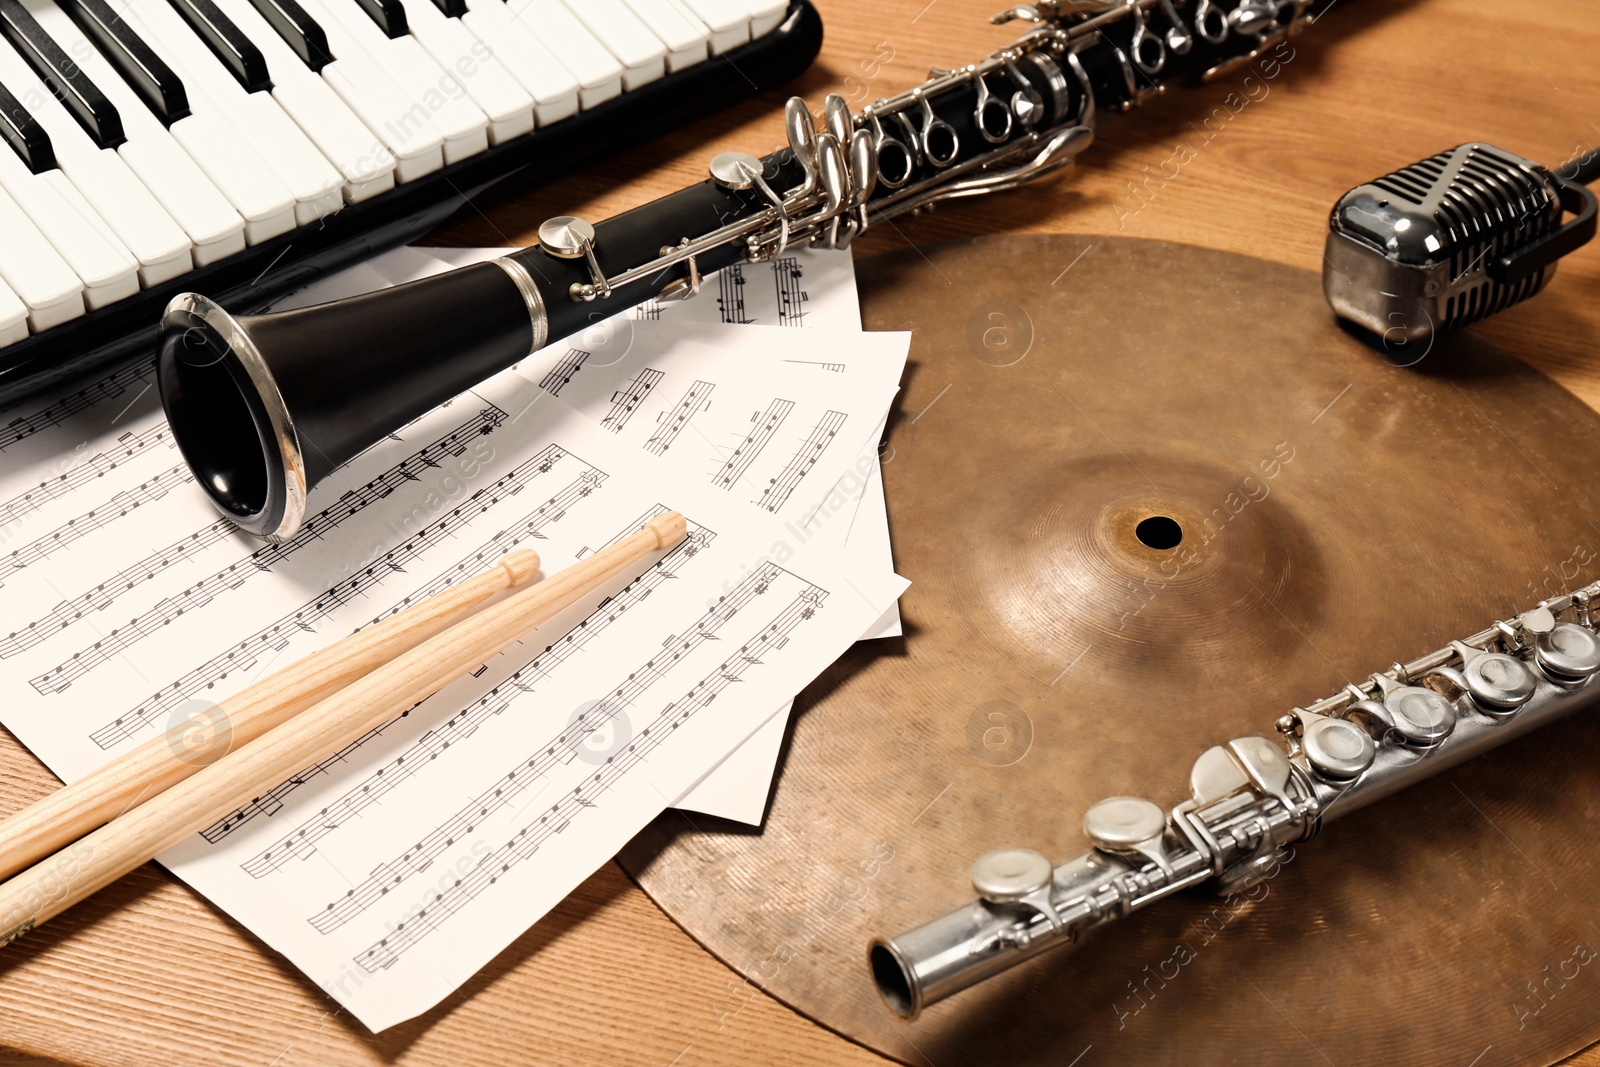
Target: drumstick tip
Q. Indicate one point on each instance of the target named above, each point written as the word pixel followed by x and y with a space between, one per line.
pixel 669 528
pixel 521 566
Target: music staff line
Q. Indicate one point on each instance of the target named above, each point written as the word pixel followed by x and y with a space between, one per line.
pixel 386 952
pixel 695 399
pixel 168 609
pixel 129 447
pixel 730 296
pixel 112 386
pixel 102 595
pixel 562 373
pixel 805 457
pixel 625 401
pixel 300 841
pixel 272 801
pixel 529 526
pixel 276 635
pixel 561 749
pixel 792 297
pixel 765 426
pixel 97 518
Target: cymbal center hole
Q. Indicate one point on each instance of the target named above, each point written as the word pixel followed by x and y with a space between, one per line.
pixel 1159 532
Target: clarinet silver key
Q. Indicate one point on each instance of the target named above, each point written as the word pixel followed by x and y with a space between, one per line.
pixel 1254 796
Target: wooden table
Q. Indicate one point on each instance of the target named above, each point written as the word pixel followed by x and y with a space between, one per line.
pixel 147 973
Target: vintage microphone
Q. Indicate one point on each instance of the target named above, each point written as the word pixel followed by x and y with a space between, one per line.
pixel 263 407
pixel 1453 239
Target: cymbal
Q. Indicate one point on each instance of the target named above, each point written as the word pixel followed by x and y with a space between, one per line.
pixel 1150 497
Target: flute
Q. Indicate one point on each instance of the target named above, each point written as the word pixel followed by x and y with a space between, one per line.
pixel 263 407
pixel 1252 797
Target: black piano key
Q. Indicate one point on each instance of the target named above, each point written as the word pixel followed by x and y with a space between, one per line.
pixel 64 78
pixel 453 8
pixel 237 52
pixel 388 14
pixel 23 133
pixel 146 73
pixel 299 31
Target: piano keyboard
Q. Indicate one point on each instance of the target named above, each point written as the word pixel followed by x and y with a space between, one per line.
pixel 240 148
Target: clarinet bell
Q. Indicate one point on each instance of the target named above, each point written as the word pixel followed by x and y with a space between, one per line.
pixel 263 407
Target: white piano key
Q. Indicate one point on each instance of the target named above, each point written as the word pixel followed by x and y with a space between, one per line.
pixel 600 76
pixel 625 36
pixel 151 152
pixel 355 151
pixel 136 223
pixel 553 87
pixel 318 188
pixel 367 166
pixel 728 21
pixel 474 67
pixel 311 180
pixel 34 272
pixel 226 158
pixel 430 94
pixel 173 177
pixel 686 36
pixel 106 271
pixel 417 146
pixel 765 15
pixel 13 317
pixel 267 205
pixel 261 199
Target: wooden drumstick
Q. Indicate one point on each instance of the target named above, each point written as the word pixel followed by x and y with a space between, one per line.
pixel 90 802
pixel 55 884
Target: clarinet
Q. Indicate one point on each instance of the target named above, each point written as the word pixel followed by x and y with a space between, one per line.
pixel 263 407
pixel 1252 797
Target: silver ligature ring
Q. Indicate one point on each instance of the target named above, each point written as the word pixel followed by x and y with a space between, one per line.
pixel 896 161
pixel 1206 13
pixel 987 105
pixel 1146 42
pixel 934 133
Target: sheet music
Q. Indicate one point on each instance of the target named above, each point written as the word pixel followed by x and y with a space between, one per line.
pixel 394 869
pixel 739 790
pixel 809 287
pixel 756 436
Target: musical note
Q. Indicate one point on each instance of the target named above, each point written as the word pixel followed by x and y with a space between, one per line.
pixel 805 457
pixel 786 275
pixel 554 820
pixel 301 840
pixel 80 526
pixel 765 425
pixel 562 372
pixel 671 423
pixel 276 635
pixel 730 298
pixel 170 608
pixel 129 447
pixel 625 401
pixel 114 385
pixel 837 368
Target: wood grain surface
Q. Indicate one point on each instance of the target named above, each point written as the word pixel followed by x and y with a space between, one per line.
pixel 146 973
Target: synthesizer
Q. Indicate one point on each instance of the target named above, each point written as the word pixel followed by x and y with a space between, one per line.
pixel 241 148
